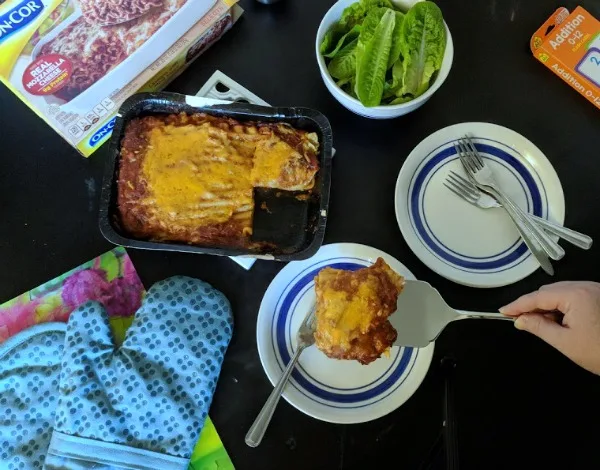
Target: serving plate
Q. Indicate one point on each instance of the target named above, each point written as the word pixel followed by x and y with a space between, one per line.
pixel 293 227
pixel 466 244
pixel 329 389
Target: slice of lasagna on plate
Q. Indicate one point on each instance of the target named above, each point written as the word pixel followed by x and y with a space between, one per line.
pixel 353 309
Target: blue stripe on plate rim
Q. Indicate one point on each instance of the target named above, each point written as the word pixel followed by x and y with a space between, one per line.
pixel 517 249
pixel 516 168
pixel 471 264
pixel 430 232
pixel 306 384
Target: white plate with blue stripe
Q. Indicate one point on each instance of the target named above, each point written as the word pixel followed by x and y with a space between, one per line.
pixel 466 244
pixel 329 389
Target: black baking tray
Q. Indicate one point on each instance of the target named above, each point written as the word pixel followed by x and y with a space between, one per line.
pixel 292 227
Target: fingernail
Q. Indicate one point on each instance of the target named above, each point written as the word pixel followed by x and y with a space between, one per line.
pixel 520 323
pixel 502 310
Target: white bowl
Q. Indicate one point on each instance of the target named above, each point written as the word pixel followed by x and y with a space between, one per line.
pixel 354 105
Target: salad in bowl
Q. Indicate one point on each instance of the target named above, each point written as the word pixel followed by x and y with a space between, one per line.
pixel 380 61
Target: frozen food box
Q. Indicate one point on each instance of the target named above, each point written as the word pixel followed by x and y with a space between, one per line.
pixel 74 62
pixel 569 45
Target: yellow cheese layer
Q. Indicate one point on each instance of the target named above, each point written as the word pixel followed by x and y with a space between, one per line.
pixel 344 316
pixel 195 175
pixel 271 158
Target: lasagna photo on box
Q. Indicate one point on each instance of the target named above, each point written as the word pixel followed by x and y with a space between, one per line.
pixel 75 62
pixel 102 36
pixel 111 12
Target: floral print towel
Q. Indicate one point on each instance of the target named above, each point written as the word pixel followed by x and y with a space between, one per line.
pixel 110 279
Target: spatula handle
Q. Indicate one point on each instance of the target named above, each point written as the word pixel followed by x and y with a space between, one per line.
pixel 483 315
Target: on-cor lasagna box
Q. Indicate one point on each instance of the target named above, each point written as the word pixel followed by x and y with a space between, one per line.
pixel 74 62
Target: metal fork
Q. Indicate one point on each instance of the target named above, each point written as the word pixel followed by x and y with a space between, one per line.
pixel 466 190
pixel 485 180
pixel 304 338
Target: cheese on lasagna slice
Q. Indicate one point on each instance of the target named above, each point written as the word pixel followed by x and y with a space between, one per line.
pixel 353 309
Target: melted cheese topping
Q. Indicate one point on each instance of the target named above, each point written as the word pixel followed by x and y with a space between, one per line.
pixel 352 306
pixel 278 165
pixel 191 178
pixel 343 317
pixel 195 175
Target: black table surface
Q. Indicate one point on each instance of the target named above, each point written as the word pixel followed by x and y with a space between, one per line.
pixel 519 403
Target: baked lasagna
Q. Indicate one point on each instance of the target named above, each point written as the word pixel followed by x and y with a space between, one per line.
pixel 353 309
pixel 191 178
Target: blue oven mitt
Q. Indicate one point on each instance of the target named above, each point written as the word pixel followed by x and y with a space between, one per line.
pixel 29 368
pixel 141 406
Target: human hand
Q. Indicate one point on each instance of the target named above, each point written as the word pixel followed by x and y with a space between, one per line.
pixel 578 336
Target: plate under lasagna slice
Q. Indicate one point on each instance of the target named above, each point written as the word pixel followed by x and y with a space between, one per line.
pixel 353 309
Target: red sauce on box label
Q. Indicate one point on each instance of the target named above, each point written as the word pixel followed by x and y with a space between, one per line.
pixel 47 75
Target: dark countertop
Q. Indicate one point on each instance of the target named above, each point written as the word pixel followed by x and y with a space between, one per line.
pixel 520 404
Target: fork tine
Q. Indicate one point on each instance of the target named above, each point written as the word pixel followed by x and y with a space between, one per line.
pixel 453 190
pixel 474 150
pixel 310 317
pixel 460 154
pixel 461 194
pixel 464 183
pixel 460 188
pixel 471 155
pixel 464 152
pixel 465 160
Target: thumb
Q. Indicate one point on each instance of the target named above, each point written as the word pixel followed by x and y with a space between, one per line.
pixel 88 340
pixel 544 328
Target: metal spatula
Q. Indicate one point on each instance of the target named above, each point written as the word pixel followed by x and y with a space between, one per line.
pixel 422 315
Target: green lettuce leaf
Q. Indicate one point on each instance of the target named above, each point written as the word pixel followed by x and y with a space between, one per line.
pixel 402 99
pixel 396 40
pixel 343 65
pixel 368 29
pixel 352 16
pixel 356 13
pixel 348 86
pixel 372 61
pixel 368 4
pixel 326 43
pixel 369 25
pixel 422 44
pixel 393 84
pixel 345 39
pixel 351 88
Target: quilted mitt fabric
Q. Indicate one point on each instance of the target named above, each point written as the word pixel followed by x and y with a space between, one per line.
pixel 143 405
pixel 29 369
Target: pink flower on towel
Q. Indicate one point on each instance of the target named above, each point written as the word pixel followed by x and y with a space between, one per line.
pixel 121 297
pixel 88 284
